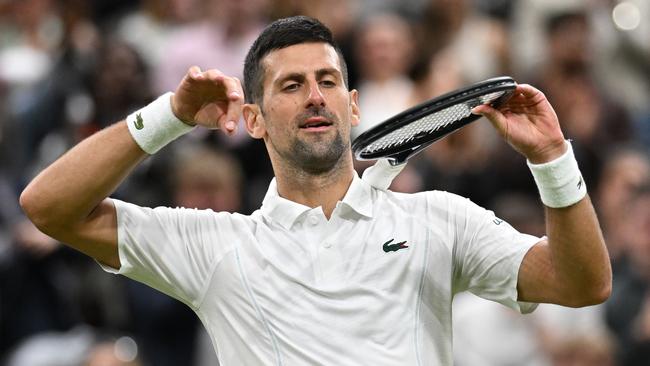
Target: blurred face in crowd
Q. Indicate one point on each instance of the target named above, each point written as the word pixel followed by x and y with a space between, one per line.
pixel 569 43
pixel 205 179
pixel 621 176
pixel 385 47
pixel 307 110
pixel 120 74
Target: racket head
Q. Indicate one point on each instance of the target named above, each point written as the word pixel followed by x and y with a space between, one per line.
pixel 407 133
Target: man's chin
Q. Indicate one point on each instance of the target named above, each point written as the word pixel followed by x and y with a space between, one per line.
pixel 319 159
pixel 319 166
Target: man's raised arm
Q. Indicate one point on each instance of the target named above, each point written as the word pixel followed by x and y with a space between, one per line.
pixel 68 200
pixel 572 267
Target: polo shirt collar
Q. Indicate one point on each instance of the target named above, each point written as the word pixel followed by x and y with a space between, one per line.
pixel 286 212
pixel 359 197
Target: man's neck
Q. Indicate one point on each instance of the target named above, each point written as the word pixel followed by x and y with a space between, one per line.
pixel 323 190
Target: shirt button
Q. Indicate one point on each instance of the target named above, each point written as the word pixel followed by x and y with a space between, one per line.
pixel 327 245
pixel 313 220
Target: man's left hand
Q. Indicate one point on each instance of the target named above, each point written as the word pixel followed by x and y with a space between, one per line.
pixel 528 123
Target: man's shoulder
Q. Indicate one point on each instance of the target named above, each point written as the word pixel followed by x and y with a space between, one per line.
pixel 179 213
pixel 433 196
pixel 432 200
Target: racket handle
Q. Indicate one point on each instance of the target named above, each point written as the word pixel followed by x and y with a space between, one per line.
pixel 381 174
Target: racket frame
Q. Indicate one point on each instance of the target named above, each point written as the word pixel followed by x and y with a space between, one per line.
pixel 399 155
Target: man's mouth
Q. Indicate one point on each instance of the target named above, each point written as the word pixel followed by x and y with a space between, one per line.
pixel 316 123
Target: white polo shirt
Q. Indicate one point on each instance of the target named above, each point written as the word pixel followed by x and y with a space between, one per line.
pixel 285 286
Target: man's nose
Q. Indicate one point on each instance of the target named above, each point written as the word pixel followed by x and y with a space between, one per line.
pixel 315 97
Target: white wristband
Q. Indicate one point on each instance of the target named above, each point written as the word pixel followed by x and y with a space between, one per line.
pixel 559 181
pixel 155 125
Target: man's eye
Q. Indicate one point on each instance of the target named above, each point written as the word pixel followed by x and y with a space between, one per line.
pixel 328 83
pixel 292 87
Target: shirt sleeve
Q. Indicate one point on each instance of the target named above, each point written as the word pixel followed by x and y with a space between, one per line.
pixel 487 253
pixel 173 250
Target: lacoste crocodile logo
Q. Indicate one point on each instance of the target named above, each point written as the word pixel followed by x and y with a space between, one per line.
pixel 138 123
pixel 388 247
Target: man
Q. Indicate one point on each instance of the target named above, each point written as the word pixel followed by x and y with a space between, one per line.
pixel 330 270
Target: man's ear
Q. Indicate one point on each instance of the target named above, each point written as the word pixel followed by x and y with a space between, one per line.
pixel 354 107
pixel 254 121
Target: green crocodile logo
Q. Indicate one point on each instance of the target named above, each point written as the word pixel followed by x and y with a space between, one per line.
pixel 138 123
pixel 388 247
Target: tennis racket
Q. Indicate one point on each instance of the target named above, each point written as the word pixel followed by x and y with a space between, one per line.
pixel 407 133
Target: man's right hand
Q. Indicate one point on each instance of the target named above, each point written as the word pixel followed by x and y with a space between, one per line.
pixel 209 99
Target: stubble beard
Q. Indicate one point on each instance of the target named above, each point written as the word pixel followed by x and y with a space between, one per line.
pixel 318 155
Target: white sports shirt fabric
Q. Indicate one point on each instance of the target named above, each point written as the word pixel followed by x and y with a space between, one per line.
pixel 285 286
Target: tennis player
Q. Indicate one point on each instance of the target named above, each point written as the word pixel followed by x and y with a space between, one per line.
pixel 330 270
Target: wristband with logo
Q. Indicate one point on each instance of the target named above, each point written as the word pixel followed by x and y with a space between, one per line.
pixel 155 125
pixel 559 182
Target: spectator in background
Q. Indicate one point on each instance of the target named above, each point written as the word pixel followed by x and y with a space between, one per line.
pixel 36 110
pixel 31 30
pixel 207 179
pixel 593 120
pixel 628 310
pixel 440 74
pixel 479 43
pixel 149 27
pixel 220 39
pixel 626 168
pixel 120 81
pixel 620 56
pixel 384 52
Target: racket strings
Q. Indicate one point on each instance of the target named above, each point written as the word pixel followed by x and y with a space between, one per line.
pixel 430 123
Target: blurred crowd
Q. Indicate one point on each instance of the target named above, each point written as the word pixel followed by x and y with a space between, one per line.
pixel 69 68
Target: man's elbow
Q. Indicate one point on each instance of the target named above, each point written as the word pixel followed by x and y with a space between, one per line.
pixel 37 211
pixel 598 294
pixel 605 293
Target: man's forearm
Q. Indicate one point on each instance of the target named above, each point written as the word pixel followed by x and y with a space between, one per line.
pixel 579 254
pixel 66 192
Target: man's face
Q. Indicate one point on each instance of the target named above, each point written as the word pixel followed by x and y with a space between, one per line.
pixel 307 110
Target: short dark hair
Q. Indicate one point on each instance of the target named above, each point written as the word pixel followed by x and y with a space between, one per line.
pixel 280 34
